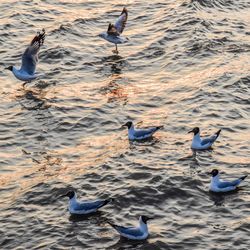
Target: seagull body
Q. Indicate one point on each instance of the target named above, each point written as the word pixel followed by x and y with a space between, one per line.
pixel 22 75
pixel 134 233
pixel 113 34
pixel 29 60
pixel 114 39
pixel 205 143
pixel 218 186
pixel 84 207
pixel 140 134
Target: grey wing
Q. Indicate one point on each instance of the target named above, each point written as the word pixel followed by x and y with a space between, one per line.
pixel 225 184
pixel 145 132
pixel 90 205
pixel 128 230
pixel 30 55
pixel 121 21
pixel 210 139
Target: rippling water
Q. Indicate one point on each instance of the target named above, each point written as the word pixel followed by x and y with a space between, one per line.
pixel 186 64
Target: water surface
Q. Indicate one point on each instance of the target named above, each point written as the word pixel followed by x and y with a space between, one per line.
pixel 186 64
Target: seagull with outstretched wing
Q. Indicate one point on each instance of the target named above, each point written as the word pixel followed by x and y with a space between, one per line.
pixel 113 34
pixel 27 72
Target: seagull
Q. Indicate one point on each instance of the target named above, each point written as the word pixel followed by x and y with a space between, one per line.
pixel 134 233
pixel 223 186
pixel 29 60
pixel 86 207
pixel 201 144
pixel 113 34
pixel 140 134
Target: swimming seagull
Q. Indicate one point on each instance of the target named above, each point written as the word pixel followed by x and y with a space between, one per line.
pixel 86 207
pixel 201 144
pixel 140 134
pixel 223 186
pixel 134 233
pixel 29 60
pixel 113 34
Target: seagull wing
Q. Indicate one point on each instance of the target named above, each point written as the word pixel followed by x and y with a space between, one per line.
pixel 146 131
pixel 30 55
pixel 133 231
pixel 121 21
pixel 91 205
pixel 211 139
pixel 112 30
pixel 225 184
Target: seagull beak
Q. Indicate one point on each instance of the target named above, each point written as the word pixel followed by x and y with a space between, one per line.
pixel 150 218
pixel 191 131
pixel 124 125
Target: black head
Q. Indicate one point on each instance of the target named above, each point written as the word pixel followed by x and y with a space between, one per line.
pixel 128 124
pixel 70 194
pixel 196 130
pixel 9 68
pixel 214 172
pixel 145 218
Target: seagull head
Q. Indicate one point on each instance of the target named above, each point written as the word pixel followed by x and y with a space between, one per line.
pixel 128 124
pixel 144 219
pixel 214 172
pixel 69 194
pixel 9 68
pixel 195 130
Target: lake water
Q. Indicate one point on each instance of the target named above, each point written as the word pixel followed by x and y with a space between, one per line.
pixel 186 64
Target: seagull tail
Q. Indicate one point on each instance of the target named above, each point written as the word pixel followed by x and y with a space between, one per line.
pixel 159 127
pixel 105 202
pixel 243 177
pixel 112 224
pixel 218 133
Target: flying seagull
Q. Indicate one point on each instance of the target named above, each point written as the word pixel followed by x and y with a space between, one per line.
pixel 83 207
pixel 217 185
pixel 134 233
pixel 29 60
pixel 113 34
pixel 201 144
pixel 140 134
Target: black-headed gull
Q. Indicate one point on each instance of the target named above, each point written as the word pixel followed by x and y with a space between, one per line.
pixel 84 207
pixel 134 233
pixel 140 134
pixel 217 185
pixel 113 34
pixel 27 72
pixel 205 143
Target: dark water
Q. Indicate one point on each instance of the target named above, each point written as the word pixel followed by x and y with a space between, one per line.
pixel 186 64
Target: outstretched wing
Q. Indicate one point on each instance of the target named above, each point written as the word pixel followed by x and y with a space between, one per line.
pixel 121 21
pixel 30 55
